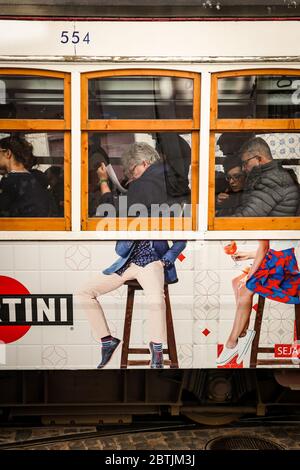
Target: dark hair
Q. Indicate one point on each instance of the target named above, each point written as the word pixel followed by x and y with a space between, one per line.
pixel 21 150
pixel 231 162
pixel 231 142
pixel 55 170
pixel 258 145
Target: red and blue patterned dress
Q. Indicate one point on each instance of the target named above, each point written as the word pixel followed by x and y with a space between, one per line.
pixel 278 277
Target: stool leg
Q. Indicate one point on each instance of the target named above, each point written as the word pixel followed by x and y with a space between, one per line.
pixel 170 332
pixel 297 320
pixel 257 328
pixel 127 327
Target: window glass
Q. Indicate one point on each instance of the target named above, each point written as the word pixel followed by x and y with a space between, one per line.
pixel 32 174
pixel 257 174
pixel 145 169
pixel 138 97
pixel 259 97
pixel 31 97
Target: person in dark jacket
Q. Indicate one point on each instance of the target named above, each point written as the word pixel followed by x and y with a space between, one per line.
pixel 21 192
pixel 176 156
pixel 97 155
pixel 152 264
pixel 55 179
pixel 146 181
pixel 269 191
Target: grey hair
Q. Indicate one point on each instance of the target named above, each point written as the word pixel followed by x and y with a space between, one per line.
pixel 136 154
pixel 256 145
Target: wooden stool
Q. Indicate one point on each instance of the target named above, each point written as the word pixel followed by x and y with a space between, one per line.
pixel 126 350
pixel 255 345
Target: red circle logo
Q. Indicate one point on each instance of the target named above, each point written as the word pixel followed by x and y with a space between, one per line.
pixel 9 286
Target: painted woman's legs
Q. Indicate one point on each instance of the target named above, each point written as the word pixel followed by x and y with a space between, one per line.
pixel 242 316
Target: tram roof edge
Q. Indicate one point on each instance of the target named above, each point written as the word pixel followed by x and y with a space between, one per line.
pixel 151 9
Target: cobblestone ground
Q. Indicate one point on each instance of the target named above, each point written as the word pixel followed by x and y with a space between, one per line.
pixel 287 436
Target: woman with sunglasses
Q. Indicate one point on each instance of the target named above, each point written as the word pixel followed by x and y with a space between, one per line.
pixel 230 199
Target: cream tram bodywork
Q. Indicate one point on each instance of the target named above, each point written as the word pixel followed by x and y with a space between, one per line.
pixel 57 262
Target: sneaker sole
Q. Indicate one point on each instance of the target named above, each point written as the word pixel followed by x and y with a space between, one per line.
pixel 223 363
pixel 245 350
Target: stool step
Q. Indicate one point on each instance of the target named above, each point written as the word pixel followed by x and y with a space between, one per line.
pixel 143 351
pixel 274 362
pixel 137 362
pixel 138 351
pixel 265 350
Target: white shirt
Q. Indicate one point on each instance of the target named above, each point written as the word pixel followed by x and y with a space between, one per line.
pixel 279 245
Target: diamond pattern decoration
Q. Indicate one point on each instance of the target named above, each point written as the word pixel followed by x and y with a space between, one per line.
pixel 206 307
pixel 77 258
pixel 54 356
pixel 207 282
pixel 206 332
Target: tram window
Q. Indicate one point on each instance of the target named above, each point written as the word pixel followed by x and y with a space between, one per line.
pixel 148 169
pixel 257 174
pixel 34 150
pixel 32 174
pixel 27 97
pixel 254 150
pixel 259 97
pixel 144 97
pixel 143 125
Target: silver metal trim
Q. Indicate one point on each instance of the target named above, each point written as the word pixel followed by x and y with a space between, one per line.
pixel 153 59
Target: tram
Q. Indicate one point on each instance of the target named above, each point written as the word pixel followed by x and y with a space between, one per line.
pixel 215 100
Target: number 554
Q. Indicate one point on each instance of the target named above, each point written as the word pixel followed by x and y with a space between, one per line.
pixel 73 37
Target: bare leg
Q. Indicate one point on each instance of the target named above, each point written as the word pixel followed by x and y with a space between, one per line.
pixel 242 315
pixel 235 286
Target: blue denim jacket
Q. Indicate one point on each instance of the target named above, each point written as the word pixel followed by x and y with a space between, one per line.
pixel 124 250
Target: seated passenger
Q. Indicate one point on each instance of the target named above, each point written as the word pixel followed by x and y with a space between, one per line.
pixel 55 178
pixel 146 180
pixel 176 156
pixel 269 190
pixel 230 199
pixel 21 194
pixel 97 155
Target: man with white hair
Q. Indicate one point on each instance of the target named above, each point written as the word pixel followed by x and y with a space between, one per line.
pixel 146 178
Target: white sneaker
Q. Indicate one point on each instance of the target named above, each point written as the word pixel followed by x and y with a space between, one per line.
pixel 226 355
pixel 244 344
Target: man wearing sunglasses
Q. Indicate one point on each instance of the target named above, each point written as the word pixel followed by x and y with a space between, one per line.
pixel 270 190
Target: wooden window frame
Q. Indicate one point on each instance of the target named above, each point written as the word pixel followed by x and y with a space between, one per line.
pixel 191 126
pixel 35 125
pixel 245 125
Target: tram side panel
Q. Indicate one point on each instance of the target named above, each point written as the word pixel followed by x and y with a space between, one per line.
pixel 46 325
